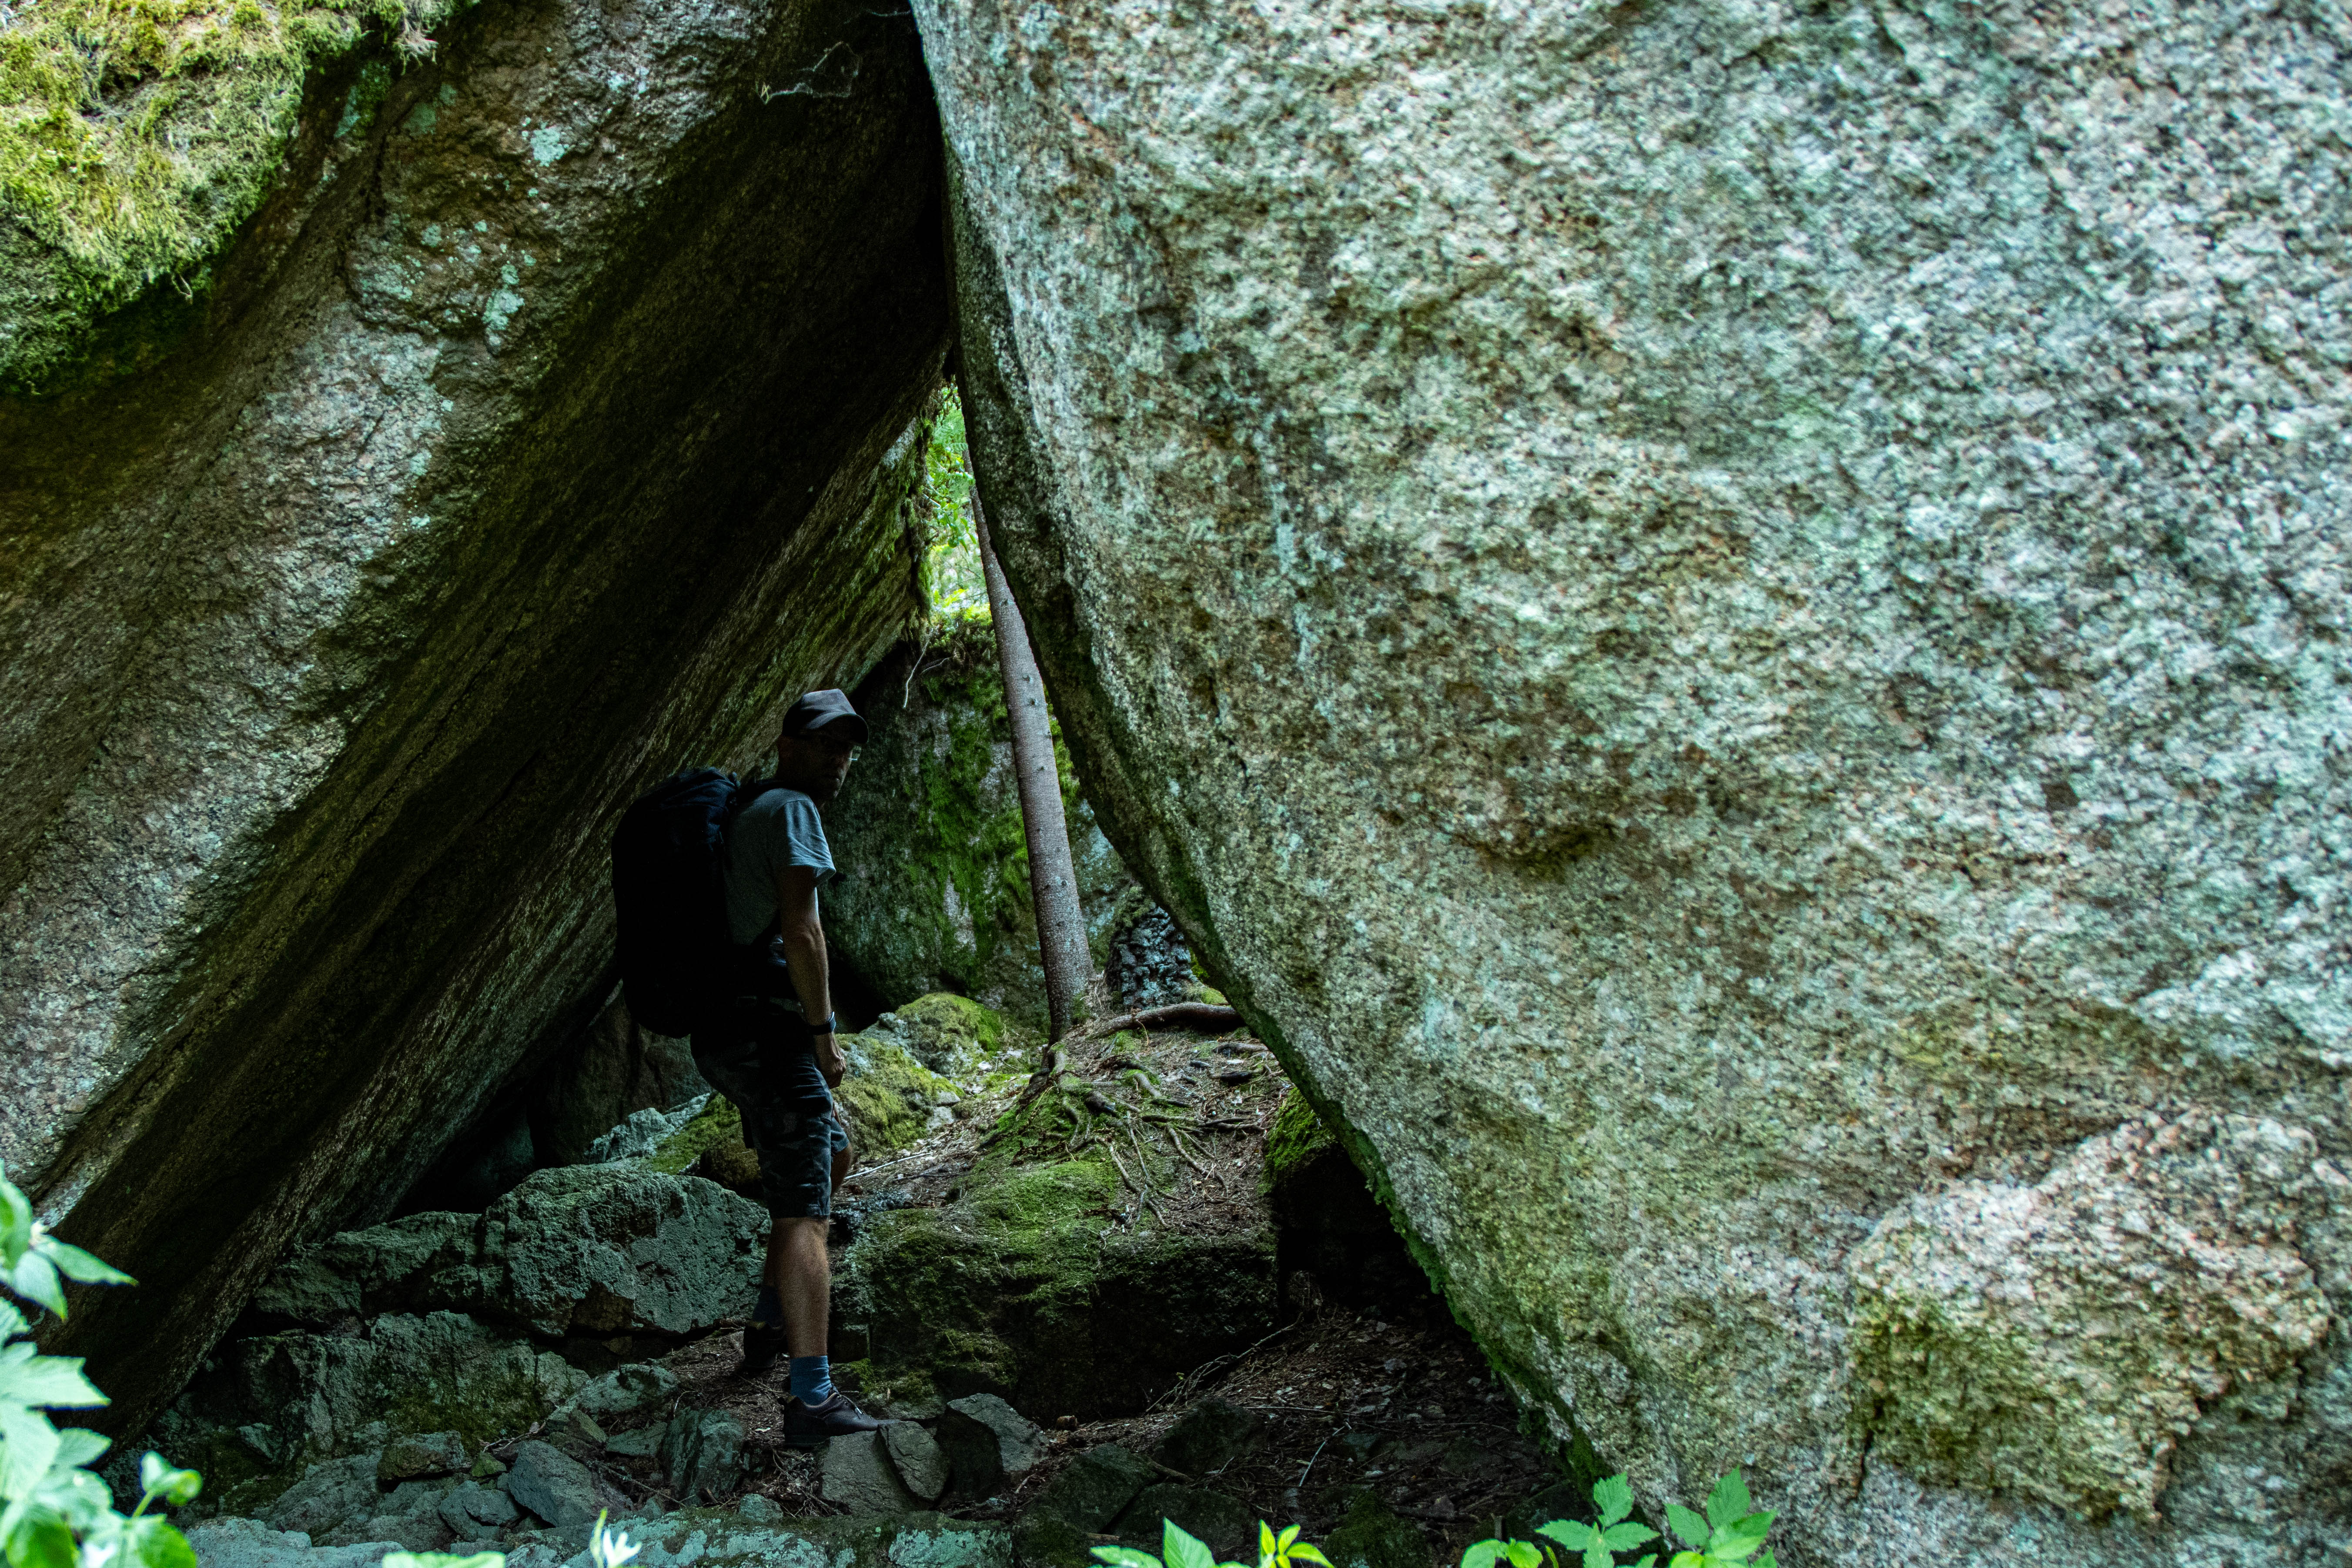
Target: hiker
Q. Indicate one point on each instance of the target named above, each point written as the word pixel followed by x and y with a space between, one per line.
pixel 770 1049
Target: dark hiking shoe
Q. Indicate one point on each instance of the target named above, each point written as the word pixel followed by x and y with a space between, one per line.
pixel 807 1425
pixel 763 1343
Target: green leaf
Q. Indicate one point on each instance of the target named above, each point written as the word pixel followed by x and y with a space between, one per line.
pixel 158 1478
pixel 75 1264
pixel 1125 1557
pixel 152 1542
pixel 80 1445
pixel 1728 1501
pixel 1688 1560
pixel 1482 1555
pixel 1739 1538
pixel 1765 1561
pixel 1625 1537
pixel 1182 1550
pixel 15 1224
pixel 32 1448
pixel 1569 1532
pixel 1597 1554
pixel 1307 1552
pixel 12 1321
pixel 34 1277
pixel 48 1380
pixel 40 1539
pixel 79 1497
pixel 1693 1530
pixel 1613 1497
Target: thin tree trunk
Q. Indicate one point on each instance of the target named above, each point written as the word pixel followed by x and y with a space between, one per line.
pixel 1052 879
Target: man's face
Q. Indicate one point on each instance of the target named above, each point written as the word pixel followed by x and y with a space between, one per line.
pixel 816 762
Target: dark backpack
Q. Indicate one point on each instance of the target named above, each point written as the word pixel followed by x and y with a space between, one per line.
pixel 671 902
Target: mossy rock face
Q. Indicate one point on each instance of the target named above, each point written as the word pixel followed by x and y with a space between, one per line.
pixel 886 1096
pixel 1022 1284
pixel 955 1036
pixel 557 415
pixel 929 833
pixel 1296 1141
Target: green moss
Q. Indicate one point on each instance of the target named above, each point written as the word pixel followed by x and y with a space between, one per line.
pixel 956 1032
pixel 887 1096
pixel 718 1124
pixel 137 135
pixel 1042 1281
pixel 1297 1137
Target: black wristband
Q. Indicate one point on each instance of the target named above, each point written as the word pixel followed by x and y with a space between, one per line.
pixel 823 1026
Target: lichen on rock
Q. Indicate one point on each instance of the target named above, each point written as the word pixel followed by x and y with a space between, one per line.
pixel 2056 1341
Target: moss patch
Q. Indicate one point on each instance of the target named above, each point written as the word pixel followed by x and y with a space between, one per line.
pixel 1297 1137
pixel 136 135
pixel 955 1034
pixel 718 1126
pixel 888 1095
pixel 1024 1284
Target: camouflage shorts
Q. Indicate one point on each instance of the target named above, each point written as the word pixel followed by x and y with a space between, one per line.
pixel 759 1056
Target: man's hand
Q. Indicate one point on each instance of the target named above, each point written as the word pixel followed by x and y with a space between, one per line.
pixel 829 1060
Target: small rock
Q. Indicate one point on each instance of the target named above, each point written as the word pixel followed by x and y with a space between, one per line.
pixel 1061 1525
pixel 1372 1535
pixel 1207 1437
pixel 985 1440
pixel 326 1496
pixel 551 1484
pixel 1215 1519
pixel 487 1466
pixel 642 1444
pixel 625 1391
pixel 915 1455
pixel 430 1454
pixel 758 1509
pixel 1095 1487
pixel 477 1512
pixel 576 1432
pixel 702 1454
pixel 417 1532
pixel 1233 1074
pixel 856 1477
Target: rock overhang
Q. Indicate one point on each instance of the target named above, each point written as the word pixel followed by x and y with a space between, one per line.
pixel 567 420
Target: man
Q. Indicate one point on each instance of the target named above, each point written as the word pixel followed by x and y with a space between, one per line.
pixel 770 1049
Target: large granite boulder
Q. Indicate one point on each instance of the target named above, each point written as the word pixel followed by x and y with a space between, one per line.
pixel 512 427
pixel 1727 624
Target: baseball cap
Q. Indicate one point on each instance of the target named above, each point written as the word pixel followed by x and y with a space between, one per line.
pixel 823 709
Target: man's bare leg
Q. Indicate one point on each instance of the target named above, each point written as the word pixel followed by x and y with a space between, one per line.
pixel 801 1276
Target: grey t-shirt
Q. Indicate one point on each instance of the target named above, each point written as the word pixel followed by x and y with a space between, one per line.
pixel 779 829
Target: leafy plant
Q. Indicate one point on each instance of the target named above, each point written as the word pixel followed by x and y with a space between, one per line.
pixel 54 1512
pixel 1179 1550
pixel 1731 1532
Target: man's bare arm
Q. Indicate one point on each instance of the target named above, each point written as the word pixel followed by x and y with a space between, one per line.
pixel 804 954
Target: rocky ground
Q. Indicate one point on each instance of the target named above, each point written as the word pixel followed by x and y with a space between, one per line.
pixel 1086 1301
